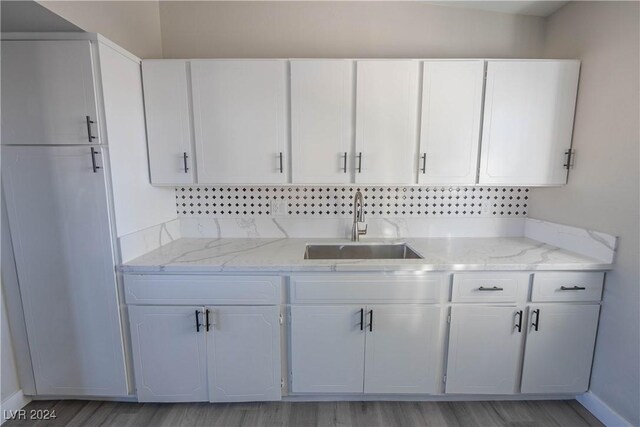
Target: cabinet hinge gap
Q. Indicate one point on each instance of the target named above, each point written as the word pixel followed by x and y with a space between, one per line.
pixel 449 318
pixel 281 319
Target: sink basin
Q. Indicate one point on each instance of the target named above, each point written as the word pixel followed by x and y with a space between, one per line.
pixel 361 251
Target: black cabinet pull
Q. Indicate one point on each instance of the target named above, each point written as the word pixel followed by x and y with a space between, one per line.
pixel 534 325
pixel 573 288
pixel 424 163
pixel 370 320
pixel 362 319
pixel 206 319
pixel 89 134
pixel 493 288
pixel 519 323
pixel 198 324
pixel 184 158
pixel 360 162
pixel 344 166
pixel 281 165
pixel 93 160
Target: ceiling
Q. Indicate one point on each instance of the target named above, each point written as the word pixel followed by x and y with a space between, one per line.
pixel 29 16
pixel 534 8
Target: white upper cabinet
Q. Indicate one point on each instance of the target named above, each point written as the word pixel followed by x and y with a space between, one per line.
pixel 322 121
pixel 48 94
pixel 451 117
pixel 386 121
pixel 240 120
pixel 528 121
pixel 166 100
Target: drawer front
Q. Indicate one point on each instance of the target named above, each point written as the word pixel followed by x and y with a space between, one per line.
pixel 570 286
pixel 490 287
pixel 163 289
pixel 363 289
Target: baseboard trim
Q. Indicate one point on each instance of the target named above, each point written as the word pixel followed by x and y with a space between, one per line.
pixel 602 411
pixel 13 403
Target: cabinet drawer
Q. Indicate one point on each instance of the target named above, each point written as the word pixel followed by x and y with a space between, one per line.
pixel 364 289
pixel 573 286
pixel 489 287
pixel 160 289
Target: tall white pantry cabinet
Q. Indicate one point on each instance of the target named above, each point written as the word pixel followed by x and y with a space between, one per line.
pixel 74 179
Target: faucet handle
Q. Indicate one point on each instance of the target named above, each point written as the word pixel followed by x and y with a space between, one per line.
pixel 360 230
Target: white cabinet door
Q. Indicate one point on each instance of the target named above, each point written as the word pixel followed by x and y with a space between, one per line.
pixel 528 121
pixel 484 350
pixel 59 225
pixel 327 349
pixel 386 121
pixel 322 121
pixel 451 117
pixel 48 92
pixel 402 349
pixel 168 117
pixel 240 118
pixel 169 353
pixel 559 351
pixel 243 352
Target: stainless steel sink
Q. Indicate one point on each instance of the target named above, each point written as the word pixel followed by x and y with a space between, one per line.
pixel 361 251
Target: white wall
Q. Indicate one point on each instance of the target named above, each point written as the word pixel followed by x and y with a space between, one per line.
pixel 134 25
pixel 10 384
pixel 603 189
pixel 216 29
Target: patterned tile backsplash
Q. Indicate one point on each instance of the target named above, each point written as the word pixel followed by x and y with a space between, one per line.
pixel 237 201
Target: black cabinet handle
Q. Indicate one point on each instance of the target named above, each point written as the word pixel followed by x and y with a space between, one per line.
pixel 281 165
pixel 519 323
pixel 370 320
pixel 534 325
pixel 360 162
pixel 206 319
pixel 573 288
pixel 93 160
pixel 344 166
pixel 198 324
pixel 424 163
pixel 362 319
pixel 493 288
pixel 184 158
pixel 89 134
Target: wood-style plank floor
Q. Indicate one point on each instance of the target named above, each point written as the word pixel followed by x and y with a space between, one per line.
pixel 564 413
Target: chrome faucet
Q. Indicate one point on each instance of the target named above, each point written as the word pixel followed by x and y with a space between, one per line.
pixel 358 217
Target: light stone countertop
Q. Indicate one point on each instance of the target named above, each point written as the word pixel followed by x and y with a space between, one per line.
pixel 212 255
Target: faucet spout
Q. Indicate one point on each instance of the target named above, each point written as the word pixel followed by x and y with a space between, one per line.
pixel 358 217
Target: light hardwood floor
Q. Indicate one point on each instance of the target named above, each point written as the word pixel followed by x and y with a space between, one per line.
pixel 564 413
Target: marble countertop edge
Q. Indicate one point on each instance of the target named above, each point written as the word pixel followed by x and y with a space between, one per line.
pixel 281 256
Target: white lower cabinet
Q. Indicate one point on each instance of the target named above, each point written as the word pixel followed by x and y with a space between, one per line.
pixel 373 349
pixel 195 354
pixel 243 353
pixel 402 348
pixel 559 350
pixel 327 349
pixel 169 354
pixel 484 348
